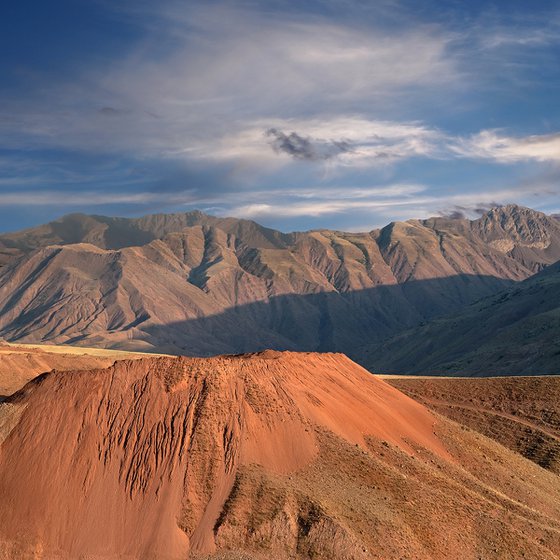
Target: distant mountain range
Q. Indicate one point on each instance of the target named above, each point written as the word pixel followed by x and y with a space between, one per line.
pixel 196 284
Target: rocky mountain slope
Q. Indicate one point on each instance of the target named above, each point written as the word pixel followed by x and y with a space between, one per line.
pixel 512 333
pixel 115 233
pixel 191 283
pixel 288 456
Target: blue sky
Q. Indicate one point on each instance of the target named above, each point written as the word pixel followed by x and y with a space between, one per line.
pixel 343 114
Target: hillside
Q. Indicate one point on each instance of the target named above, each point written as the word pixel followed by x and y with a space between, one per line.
pixel 512 333
pixel 191 283
pixel 521 413
pixel 19 363
pixel 280 455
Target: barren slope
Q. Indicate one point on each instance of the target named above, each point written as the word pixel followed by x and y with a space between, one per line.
pixel 276 455
pixel 521 413
pixel 115 233
pixel 254 288
pixel 515 332
pixel 19 363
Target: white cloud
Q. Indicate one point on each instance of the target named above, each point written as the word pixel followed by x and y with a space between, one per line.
pixel 222 77
pixel 490 144
pixel 364 142
pixel 339 193
pixel 369 143
pixel 205 75
pixel 386 203
pixel 327 201
pixel 190 197
pixel 271 58
pixel 315 209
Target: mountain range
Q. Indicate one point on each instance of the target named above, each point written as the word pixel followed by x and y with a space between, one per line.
pixel 195 284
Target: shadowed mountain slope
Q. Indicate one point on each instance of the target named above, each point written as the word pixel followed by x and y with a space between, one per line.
pixel 288 456
pixel 154 309
pixel 512 333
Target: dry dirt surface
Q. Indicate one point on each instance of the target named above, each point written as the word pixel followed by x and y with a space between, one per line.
pixel 19 363
pixel 270 455
pixel 521 413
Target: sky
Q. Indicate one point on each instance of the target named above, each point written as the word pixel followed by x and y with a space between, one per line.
pixel 299 114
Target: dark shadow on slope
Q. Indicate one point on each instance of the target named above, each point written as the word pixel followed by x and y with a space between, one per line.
pixel 514 332
pixel 326 322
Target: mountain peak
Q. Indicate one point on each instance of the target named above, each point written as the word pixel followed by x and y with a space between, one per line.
pixel 507 227
pixel 513 210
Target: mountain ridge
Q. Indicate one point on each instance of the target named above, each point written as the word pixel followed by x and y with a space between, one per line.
pixel 303 290
pixel 93 228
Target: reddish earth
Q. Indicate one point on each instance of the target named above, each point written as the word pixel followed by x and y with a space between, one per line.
pixel 19 363
pixel 522 413
pixel 271 455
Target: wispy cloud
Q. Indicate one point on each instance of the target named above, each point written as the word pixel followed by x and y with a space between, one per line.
pixel 89 198
pixel 190 197
pixel 531 38
pixel 403 201
pixel 353 141
pixel 348 141
pixel 356 209
pixel 491 144
pixel 229 82
pixel 519 31
pixel 221 68
pixel 216 104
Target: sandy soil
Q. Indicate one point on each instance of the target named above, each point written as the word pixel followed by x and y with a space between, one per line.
pixel 271 455
pixel 19 363
pixel 522 413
